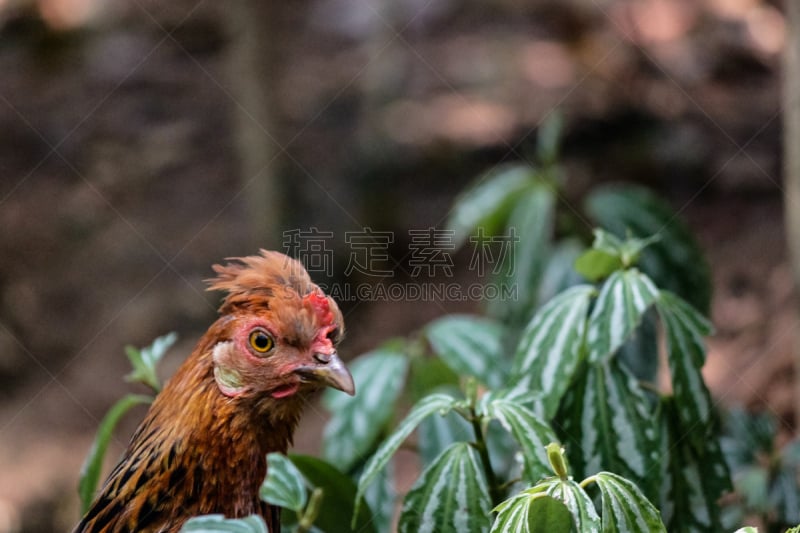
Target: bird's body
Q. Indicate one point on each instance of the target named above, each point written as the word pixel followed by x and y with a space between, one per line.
pixel 202 447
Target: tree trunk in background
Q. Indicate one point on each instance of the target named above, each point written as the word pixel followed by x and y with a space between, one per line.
pixel 255 28
pixel 791 155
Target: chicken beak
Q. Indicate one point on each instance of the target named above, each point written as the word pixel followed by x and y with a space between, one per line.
pixel 332 372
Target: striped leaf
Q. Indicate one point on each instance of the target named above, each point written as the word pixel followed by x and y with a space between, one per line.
pixel 470 345
pixel 531 432
pixel 533 513
pixel 692 480
pixel 625 508
pixel 676 261
pixel 550 348
pixel 441 403
pixel 579 503
pixel 487 203
pixel 623 300
pixel 531 222
pixel 685 329
pixel 284 485
pixel 450 495
pixel 609 419
pixel 357 421
pixel 217 523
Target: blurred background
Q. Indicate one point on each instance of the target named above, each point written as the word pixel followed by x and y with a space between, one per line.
pixel 143 141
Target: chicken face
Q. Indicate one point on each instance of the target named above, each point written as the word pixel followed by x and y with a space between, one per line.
pixel 279 331
pixel 275 355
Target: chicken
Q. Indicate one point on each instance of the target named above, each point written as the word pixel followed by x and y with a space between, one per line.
pixel 202 446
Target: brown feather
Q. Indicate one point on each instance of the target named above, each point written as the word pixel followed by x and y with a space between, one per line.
pixel 199 451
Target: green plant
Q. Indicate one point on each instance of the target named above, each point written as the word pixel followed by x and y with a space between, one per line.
pixel 144 362
pixel 565 379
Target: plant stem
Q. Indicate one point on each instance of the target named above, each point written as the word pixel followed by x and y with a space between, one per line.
pixel 495 493
pixel 309 514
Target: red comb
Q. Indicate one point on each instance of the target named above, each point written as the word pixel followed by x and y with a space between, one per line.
pixel 322 309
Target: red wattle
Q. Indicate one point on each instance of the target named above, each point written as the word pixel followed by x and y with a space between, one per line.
pixel 285 390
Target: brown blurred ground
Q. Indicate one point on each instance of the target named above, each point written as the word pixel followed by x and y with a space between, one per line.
pixel 119 181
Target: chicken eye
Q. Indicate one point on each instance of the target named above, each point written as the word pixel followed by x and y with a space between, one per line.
pixel 260 341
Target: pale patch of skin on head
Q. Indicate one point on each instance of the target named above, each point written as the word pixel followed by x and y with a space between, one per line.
pixel 228 378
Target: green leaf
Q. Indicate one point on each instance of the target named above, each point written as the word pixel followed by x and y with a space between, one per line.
pixel 572 495
pixel 357 421
pixel 93 464
pixel 550 347
pixel 609 253
pixel 488 202
pixel 531 432
pixel 692 480
pixel 441 403
pixel 504 454
pixel 619 308
pixel 548 514
pixel 338 497
pixel 625 508
pixel 685 329
pixel 609 419
pixel 146 360
pixel 676 261
pixel 538 513
pixel 436 433
pixel 640 352
pixel 470 345
pixel 595 265
pixel 217 523
pixel 531 222
pixel 450 495
pixel 381 498
pixel 559 270
pixel 429 374
pixel 283 485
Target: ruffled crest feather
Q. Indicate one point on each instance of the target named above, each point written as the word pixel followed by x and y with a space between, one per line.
pixel 256 278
